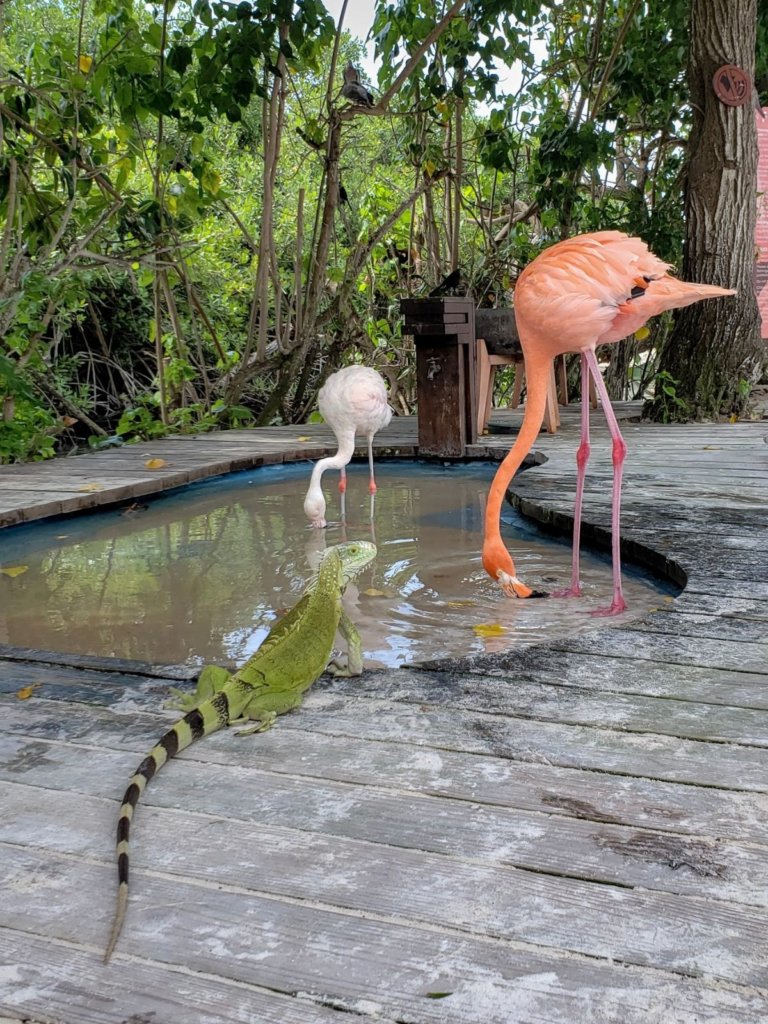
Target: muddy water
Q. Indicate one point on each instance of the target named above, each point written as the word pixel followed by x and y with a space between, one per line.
pixel 200 575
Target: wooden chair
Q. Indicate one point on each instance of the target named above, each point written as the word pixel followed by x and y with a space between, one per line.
pixel 495 330
pixel 487 364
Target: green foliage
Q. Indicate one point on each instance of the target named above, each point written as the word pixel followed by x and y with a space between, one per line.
pixel 29 436
pixel 133 171
pixel 669 407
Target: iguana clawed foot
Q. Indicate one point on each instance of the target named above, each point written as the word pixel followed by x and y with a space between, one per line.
pixel 266 721
pixel 181 700
pixel 340 671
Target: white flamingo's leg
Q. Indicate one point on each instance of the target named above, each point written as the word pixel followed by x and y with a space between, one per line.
pixel 582 458
pixel 619 452
pixel 371 481
pixel 343 492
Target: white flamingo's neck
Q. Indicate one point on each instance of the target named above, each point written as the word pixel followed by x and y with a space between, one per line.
pixel 314 502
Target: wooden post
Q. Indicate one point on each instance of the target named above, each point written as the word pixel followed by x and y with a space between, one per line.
pixel 444 334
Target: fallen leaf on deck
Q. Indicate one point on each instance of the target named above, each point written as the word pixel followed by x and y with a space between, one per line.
pixel 26 691
pixel 486 629
pixel 668 599
pixel 155 463
pixel 438 995
pixel 373 592
pixel 91 487
pixel 303 438
pixel 14 570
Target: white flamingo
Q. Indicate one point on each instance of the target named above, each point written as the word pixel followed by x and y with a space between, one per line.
pixel 352 400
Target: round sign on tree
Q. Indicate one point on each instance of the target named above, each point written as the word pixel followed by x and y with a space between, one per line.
pixel 733 87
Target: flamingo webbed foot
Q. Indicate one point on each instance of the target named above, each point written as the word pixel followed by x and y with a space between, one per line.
pixel 616 607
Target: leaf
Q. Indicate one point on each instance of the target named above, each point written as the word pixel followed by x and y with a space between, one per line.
pixel 373 592
pixel 26 691
pixel 641 333
pixel 14 570
pixel 91 487
pixel 155 463
pixel 85 63
pixel 487 629
pixel 438 995
pixel 733 418
pixel 303 438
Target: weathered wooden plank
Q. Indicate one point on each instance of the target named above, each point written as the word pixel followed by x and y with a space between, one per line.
pixel 290 946
pixel 74 988
pixel 511 695
pixel 728 586
pixel 71 684
pixel 694 626
pixel 57 981
pixel 650 756
pixel 564 702
pixel 743 607
pixel 653 756
pixel 616 673
pixel 595 796
pixel 8 652
pixel 568 851
pixel 670 649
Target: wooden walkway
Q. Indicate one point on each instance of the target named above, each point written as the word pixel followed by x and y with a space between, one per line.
pixel 574 833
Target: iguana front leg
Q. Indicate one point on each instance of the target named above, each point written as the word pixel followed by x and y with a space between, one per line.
pixel 211 680
pixel 354 666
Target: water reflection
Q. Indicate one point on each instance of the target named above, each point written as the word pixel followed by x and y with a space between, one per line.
pixel 200 575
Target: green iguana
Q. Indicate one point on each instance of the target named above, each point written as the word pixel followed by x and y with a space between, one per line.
pixel 274 680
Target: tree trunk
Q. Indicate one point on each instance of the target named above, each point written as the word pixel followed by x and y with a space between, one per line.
pixel 714 351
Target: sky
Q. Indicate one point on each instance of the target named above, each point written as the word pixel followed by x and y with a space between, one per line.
pixel 358 21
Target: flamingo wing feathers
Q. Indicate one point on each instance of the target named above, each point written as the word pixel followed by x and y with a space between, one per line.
pixel 355 398
pixel 571 294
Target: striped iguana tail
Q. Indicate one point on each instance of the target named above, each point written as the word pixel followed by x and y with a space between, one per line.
pixel 222 699
pixel 210 716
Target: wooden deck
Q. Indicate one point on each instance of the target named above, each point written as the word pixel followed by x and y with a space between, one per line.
pixel 573 833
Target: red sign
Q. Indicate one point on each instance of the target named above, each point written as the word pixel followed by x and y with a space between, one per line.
pixel 732 86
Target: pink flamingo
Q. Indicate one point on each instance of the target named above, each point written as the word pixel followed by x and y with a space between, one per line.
pixel 352 400
pixel 586 291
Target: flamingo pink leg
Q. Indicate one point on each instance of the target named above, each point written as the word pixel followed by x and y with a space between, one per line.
pixel 582 458
pixel 371 481
pixel 618 604
pixel 343 492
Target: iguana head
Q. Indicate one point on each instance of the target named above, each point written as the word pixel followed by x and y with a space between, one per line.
pixel 350 558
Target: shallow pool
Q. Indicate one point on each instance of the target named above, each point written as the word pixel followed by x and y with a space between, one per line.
pixel 199 575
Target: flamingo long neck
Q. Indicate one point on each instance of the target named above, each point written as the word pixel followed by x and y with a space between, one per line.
pixel 341 458
pixel 537 371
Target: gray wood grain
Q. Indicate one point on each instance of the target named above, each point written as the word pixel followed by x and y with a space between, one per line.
pixel 574 792
pixel 573 833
